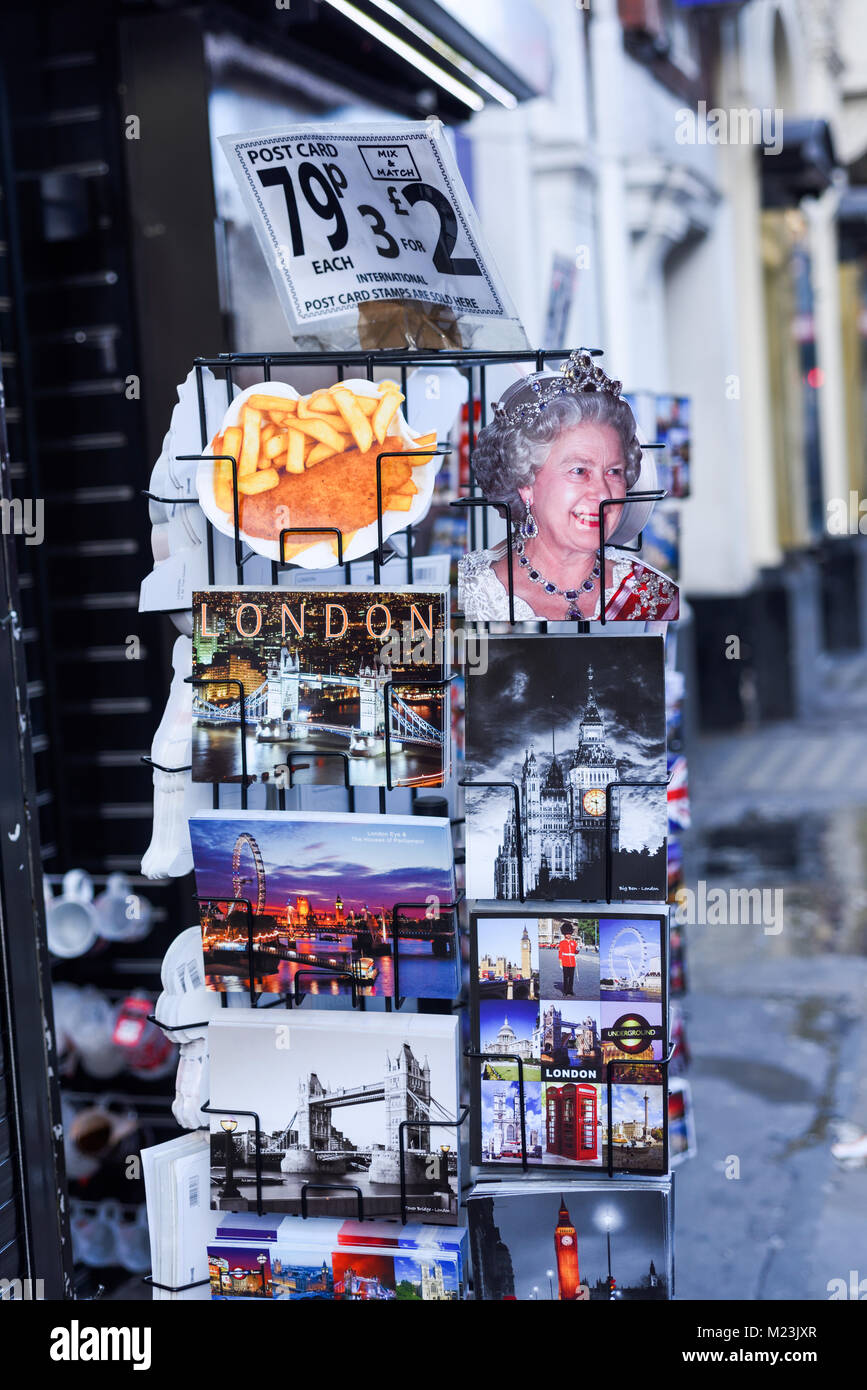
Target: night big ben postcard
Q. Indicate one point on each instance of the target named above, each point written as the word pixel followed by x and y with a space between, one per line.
pixel 567 735
pixel 572 1242
pixel 342 684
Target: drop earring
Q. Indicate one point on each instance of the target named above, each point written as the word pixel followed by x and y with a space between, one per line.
pixel 529 527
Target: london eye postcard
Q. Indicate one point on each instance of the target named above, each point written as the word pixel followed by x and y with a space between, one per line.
pixel 561 738
pixel 366 1107
pixel 339 686
pixel 329 904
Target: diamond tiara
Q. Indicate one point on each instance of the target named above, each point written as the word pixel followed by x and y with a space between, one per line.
pixel 577 374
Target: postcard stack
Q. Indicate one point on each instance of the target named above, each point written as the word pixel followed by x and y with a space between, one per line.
pixel 335 1146
pixel 289 1258
pixel 567 836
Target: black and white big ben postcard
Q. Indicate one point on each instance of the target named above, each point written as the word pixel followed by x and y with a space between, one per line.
pixel 555 722
pixel 325 673
pixel 561 1004
pixel 335 1105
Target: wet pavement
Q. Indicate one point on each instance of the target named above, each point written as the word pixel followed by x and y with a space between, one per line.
pixel 777 1019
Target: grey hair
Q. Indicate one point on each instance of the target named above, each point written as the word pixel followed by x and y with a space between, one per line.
pixel 507 457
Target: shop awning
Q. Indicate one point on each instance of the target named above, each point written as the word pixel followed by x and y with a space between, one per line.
pixel 411 55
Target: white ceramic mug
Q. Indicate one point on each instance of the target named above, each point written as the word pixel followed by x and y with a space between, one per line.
pixel 70 921
pixel 131 1238
pixel 89 1134
pixel 93 1233
pixel 100 1055
pixel 122 915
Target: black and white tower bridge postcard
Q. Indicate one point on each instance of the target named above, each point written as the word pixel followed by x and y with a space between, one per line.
pixel 336 1106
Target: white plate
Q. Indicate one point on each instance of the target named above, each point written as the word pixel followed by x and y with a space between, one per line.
pixel 320 555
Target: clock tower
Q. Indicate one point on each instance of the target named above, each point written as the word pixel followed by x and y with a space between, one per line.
pixel 526 959
pixel 593 767
pixel 566 1250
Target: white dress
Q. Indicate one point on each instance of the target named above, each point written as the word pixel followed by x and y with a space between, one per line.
pixel 482 598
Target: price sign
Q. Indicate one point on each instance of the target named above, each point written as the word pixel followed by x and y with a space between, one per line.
pixel 349 215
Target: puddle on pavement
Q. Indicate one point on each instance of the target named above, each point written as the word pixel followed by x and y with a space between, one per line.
pixel 820 862
pixel 762 1079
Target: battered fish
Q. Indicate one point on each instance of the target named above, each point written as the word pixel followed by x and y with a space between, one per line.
pixel 339 492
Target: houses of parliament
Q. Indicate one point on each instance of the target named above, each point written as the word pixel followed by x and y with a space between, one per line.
pixel 562 828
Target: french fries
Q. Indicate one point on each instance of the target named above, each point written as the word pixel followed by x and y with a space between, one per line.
pixel 306 411
pixel 274 446
pixel 321 430
pixel 359 424
pixel 249 460
pixel 295 454
pixel 232 438
pixel 223 485
pixel 385 413
pixel 427 441
pixel 317 454
pixel 266 404
pixel 321 402
pixel 263 481
pixel 277 436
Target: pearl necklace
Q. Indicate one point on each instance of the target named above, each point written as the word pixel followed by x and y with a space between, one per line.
pixel 571 595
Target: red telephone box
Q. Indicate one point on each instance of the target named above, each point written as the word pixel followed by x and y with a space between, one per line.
pixel 571 1121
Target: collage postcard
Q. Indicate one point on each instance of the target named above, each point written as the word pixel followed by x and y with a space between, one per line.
pixel 292 1259
pixel 563 1004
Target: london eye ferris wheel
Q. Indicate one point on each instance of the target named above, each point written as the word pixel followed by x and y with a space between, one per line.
pixel 240 879
pixel 628 957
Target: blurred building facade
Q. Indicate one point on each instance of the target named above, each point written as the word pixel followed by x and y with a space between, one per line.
pixel 701 166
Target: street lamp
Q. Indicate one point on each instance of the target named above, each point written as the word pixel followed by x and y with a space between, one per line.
pixel 536 1291
pixel 445 1149
pixel 262 1260
pixel 229 1189
pixel 550 1274
pixel 608 1219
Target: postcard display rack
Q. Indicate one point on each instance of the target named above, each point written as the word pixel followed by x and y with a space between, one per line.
pixel 520 1168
